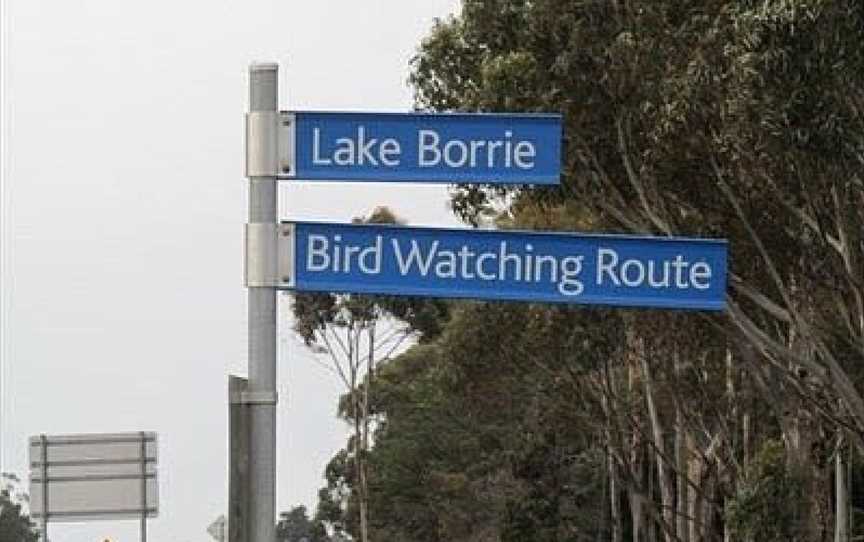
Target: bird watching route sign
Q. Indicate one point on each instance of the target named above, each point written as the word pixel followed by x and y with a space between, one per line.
pixel 446 148
pixel 635 271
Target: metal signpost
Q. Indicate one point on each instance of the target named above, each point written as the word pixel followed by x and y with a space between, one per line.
pixel 93 477
pixel 673 273
pixel 262 166
pixel 239 441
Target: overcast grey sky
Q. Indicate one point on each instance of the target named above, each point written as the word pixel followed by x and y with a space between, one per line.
pixel 123 203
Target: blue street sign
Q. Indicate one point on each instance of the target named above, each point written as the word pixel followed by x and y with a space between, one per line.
pixel 674 273
pixel 430 148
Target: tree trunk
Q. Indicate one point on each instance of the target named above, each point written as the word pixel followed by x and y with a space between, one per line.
pixel 799 446
pixel 358 400
pixel 360 470
pixel 733 401
pixel 694 501
pixel 700 475
pixel 364 444
pixel 650 527
pixel 708 486
pixel 615 501
pixel 681 458
pixel 637 515
pixel 636 444
pixel 664 477
pixel 841 504
pixel 616 525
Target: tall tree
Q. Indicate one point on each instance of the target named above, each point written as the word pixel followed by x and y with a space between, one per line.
pixel 355 333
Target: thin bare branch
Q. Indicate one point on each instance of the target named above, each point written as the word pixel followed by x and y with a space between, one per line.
pixel 635 182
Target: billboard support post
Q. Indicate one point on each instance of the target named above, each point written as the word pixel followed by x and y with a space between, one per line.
pixel 43 441
pixel 143 486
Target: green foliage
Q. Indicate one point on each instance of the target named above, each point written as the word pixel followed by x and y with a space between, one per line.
pixel 15 525
pixel 336 508
pixel 764 507
pixel 478 435
pixel 295 526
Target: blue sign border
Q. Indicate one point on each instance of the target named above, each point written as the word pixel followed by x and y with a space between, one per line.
pixel 710 251
pixel 542 131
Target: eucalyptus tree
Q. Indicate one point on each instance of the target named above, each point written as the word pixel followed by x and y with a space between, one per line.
pixel 729 119
pixel 353 334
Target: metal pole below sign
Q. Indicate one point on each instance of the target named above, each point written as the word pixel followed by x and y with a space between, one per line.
pixel 238 456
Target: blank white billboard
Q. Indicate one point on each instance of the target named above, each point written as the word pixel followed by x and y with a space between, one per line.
pixel 93 476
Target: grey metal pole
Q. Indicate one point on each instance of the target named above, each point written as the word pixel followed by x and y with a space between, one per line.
pixel 263 208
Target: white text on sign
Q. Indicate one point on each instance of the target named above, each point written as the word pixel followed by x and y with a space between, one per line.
pixel 433 151
pixel 516 262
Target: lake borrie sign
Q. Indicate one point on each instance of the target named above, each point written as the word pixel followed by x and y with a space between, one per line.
pixel 446 148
